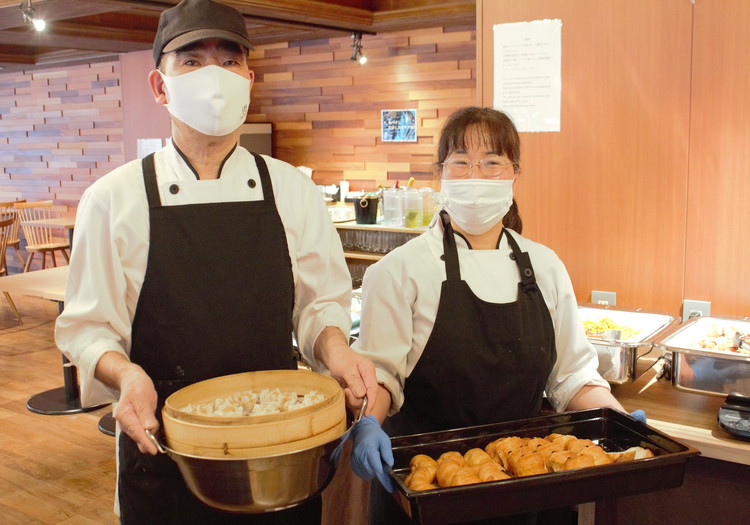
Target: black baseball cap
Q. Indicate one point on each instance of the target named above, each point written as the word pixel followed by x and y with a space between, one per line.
pixel 194 20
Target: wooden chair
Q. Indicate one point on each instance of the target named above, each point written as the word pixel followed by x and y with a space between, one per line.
pixel 39 237
pixel 8 211
pixel 6 228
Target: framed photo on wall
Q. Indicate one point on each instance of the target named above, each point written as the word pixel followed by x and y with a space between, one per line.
pixel 398 125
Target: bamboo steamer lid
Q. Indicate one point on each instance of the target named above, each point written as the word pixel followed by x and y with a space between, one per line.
pixel 254 436
pixel 217 446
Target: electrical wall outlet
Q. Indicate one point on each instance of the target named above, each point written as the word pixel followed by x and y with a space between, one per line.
pixel 606 298
pixel 692 309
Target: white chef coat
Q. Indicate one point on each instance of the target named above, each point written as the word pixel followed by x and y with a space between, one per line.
pixel 111 244
pixel 401 294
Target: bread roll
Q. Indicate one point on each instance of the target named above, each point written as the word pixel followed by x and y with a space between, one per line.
pixel 535 443
pixel 451 456
pixel 476 456
pixel 631 454
pixel 422 460
pixel 557 459
pixel 561 438
pixel 490 471
pixel 578 445
pixel 599 456
pixel 582 461
pixel 421 479
pixel 501 448
pixel 464 476
pixel 530 465
pixel 445 472
pixel 547 450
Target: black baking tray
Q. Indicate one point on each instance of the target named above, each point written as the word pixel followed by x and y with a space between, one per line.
pixel 610 429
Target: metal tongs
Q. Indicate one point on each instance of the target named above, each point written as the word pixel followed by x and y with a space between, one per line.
pixel 739 341
pixel 608 335
pixel 662 367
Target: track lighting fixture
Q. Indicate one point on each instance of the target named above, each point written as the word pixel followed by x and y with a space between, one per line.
pixel 357 48
pixel 29 15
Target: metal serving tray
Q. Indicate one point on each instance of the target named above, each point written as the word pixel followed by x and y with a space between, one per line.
pixel 704 371
pixel 618 357
pixel 609 428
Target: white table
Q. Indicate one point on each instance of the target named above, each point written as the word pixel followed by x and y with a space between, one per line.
pixel 49 284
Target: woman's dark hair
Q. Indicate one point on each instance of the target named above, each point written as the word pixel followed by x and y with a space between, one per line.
pixel 498 133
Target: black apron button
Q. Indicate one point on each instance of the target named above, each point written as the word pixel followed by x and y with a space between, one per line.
pixel 174 189
pixel 512 256
pixel 251 183
pixel 442 257
pixel 528 272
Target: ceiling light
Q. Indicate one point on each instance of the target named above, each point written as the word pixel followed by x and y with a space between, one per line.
pixel 357 55
pixel 29 15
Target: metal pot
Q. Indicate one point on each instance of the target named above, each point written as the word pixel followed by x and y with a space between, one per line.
pixel 265 484
pixel 259 484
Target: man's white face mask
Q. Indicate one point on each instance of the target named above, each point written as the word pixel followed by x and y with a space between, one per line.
pixel 211 99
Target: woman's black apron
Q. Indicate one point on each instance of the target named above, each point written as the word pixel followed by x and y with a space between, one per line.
pixel 483 362
pixel 217 299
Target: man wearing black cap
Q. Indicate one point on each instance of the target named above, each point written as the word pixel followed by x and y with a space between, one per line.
pixel 197 262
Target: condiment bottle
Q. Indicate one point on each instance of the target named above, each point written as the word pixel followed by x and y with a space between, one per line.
pixel 393 207
pixel 413 208
pixel 428 205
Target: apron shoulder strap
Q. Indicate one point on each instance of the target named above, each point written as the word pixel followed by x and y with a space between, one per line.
pixel 265 177
pixel 149 179
pixel 528 280
pixel 450 252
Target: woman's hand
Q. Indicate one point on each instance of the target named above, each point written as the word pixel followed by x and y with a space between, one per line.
pixel 372 455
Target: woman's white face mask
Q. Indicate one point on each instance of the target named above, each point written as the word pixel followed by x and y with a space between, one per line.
pixel 211 99
pixel 476 205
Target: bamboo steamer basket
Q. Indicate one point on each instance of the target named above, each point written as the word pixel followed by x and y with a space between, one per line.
pixel 254 436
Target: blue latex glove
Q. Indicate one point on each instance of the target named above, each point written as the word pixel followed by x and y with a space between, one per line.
pixel 639 415
pixel 371 452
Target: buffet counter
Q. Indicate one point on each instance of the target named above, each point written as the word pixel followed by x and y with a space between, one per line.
pixel 688 417
pixel 716 483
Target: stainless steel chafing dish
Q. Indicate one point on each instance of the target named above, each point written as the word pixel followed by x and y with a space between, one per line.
pixel 701 370
pixel 619 350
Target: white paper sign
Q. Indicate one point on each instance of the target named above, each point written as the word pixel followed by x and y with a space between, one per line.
pixel 528 79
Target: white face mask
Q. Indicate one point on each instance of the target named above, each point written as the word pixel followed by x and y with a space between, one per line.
pixel 211 99
pixel 476 205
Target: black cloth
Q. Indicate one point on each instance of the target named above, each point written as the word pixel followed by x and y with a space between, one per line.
pixel 217 299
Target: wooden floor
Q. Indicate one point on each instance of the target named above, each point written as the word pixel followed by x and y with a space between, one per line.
pixel 53 469
pixel 61 469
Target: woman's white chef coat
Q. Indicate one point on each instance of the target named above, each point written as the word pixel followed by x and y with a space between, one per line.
pixel 401 294
pixel 110 250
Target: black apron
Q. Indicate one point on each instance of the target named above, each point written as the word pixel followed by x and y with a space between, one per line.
pixel 217 299
pixel 483 362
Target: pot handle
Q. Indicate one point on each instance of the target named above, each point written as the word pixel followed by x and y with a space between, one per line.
pixel 159 446
pixel 362 409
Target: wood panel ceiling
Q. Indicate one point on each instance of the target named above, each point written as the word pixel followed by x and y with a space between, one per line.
pixel 89 30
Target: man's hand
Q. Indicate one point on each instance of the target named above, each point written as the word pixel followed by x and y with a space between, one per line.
pixel 355 373
pixel 136 407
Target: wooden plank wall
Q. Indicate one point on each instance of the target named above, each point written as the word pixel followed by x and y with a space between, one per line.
pixel 325 108
pixel 60 129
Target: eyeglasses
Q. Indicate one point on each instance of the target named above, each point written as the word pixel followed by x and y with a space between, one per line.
pixel 490 167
